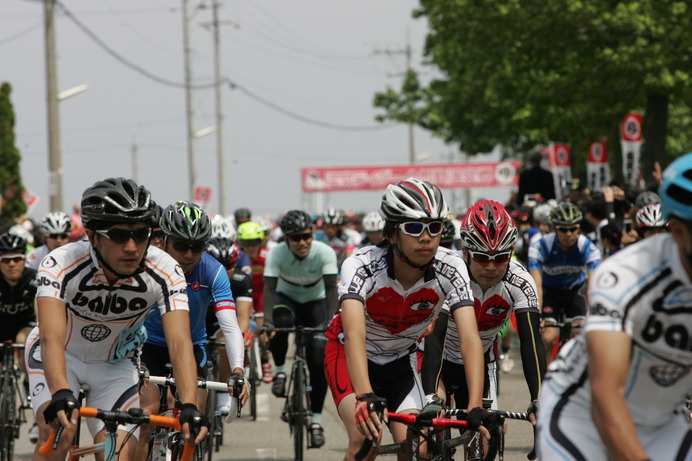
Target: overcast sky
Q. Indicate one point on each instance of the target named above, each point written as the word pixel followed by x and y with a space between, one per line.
pixel 315 59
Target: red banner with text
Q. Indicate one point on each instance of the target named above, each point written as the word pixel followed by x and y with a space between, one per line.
pixel 453 175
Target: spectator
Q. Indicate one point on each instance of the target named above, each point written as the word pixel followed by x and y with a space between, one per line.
pixel 536 180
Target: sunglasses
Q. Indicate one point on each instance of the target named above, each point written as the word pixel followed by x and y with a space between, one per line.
pixel 485 258
pixel 12 259
pixel 123 235
pixel 567 229
pixel 58 236
pixel 415 228
pixel 298 237
pixel 195 247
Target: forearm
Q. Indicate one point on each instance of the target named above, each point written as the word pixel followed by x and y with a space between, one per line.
pixel 176 327
pixel 474 365
pixel 269 297
pixel 243 311
pixel 53 357
pixel 532 351
pixel 357 363
pixel 233 337
pixel 615 426
pixel 331 295
pixel 432 358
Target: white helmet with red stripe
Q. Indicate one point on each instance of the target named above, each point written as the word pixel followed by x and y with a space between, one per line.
pixel 413 199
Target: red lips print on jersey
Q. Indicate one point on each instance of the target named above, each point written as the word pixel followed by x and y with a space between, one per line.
pixel 396 314
pixel 492 313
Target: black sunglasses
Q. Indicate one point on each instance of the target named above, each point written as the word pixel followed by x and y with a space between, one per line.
pixel 123 235
pixel 183 247
pixel 567 229
pixel 298 237
pixel 58 236
pixel 12 259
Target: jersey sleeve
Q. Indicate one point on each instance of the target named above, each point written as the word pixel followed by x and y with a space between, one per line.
pixel 329 266
pixel 170 278
pixel 536 259
pixel 241 286
pixel 355 280
pixel 50 278
pixel 221 295
pixel 592 256
pixel 271 265
pixel 454 270
pixel 523 290
pixel 606 298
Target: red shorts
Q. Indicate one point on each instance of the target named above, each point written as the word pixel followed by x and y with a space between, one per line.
pixel 336 371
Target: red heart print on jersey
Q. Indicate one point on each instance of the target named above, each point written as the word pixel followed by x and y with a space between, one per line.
pixel 492 313
pixel 396 314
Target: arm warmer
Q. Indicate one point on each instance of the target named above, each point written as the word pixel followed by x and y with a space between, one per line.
pixel 330 294
pixel 233 337
pixel 269 296
pixel 532 351
pixel 432 357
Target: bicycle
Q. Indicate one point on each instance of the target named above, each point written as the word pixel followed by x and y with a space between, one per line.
pixel 214 440
pixel 253 371
pixel 565 328
pixel 11 415
pixel 161 440
pixel 296 411
pixel 112 419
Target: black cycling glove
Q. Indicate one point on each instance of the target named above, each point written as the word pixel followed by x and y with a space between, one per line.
pixel 481 417
pixel 64 400
pixel 190 414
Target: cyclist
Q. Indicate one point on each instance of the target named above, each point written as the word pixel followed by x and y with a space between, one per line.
pixel 334 234
pixel 242 215
pixel 156 238
pixel 650 221
pixel 390 295
pixel 92 298
pixel 186 228
pixel 617 390
pixel 223 227
pixel 226 252
pixel 561 264
pixel 501 286
pixel 372 225
pixel 300 289
pixel 55 229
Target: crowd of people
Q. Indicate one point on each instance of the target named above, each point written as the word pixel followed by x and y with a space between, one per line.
pixel 417 305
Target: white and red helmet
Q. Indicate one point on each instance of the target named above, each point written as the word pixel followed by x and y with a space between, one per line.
pixel 650 216
pixel 411 200
pixel 488 227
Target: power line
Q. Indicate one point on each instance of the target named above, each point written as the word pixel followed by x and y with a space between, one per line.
pixel 225 80
pixel 19 34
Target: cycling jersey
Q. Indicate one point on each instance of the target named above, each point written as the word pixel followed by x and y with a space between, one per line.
pixel 33 259
pixel 17 304
pixel 516 292
pixel 394 317
pixel 561 270
pixel 301 279
pixel 207 284
pixel 105 322
pixel 645 292
pixel 340 243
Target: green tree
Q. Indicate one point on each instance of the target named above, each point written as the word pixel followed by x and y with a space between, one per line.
pixel 10 177
pixel 525 72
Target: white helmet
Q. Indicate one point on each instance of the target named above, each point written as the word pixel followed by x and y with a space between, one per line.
pixel 413 199
pixel 221 227
pixel 373 222
pixel 56 222
pixel 650 216
pixel 541 213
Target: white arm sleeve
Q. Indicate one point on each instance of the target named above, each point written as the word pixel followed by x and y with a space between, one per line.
pixel 233 337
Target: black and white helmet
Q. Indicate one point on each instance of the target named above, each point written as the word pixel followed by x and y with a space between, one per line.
pixel 186 221
pixel 373 222
pixel 334 217
pixel 56 222
pixel 222 227
pixel 295 221
pixel 10 243
pixel 413 199
pixel 116 200
pixel 650 216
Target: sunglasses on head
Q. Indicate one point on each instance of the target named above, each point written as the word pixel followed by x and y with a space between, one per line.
pixel 58 236
pixel 415 228
pixel 195 247
pixel 485 258
pixel 124 235
pixel 12 259
pixel 568 229
pixel 298 237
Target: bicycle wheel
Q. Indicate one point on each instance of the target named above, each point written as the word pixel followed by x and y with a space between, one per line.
pixel 7 413
pixel 253 361
pixel 298 421
pixel 206 448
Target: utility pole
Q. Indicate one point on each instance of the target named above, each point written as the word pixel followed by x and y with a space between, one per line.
pixel 192 173
pixel 221 166
pixel 406 51
pixel 133 151
pixel 54 162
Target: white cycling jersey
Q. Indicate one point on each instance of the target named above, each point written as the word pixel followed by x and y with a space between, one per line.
pixel 516 292
pixel 34 258
pixel 645 292
pixel 105 323
pixel 395 318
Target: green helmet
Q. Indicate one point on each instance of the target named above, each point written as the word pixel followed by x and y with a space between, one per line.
pixel 186 221
pixel 250 230
pixel 565 214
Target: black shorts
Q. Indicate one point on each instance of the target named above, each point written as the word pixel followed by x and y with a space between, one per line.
pixel 155 359
pixel 564 304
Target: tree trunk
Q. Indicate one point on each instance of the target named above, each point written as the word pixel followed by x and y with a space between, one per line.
pixel 655 133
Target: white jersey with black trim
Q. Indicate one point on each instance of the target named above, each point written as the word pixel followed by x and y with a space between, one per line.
pixel 395 318
pixel 516 292
pixel 104 322
pixel 644 291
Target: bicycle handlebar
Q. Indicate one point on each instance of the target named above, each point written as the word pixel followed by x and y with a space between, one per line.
pixel 132 416
pixel 201 383
pixel 505 414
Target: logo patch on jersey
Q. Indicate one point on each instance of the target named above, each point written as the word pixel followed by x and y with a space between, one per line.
pixel 389 309
pixel 492 313
pixel 667 375
pixel 607 280
pixel 48 262
pixel 194 286
pixel 95 332
pixel 179 270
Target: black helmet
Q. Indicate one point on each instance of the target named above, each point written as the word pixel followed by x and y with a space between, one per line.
pixel 242 213
pixel 565 214
pixel 224 250
pixel 116 200
pixel 294 221
pixel 156 217
pixel 186 221
pixel 10 243
pixel 448 231
pixel 334 217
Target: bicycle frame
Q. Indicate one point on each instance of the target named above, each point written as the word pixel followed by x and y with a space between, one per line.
pixel 11 414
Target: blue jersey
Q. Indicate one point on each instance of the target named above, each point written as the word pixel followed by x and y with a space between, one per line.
pixel 563 271
pixel 207 284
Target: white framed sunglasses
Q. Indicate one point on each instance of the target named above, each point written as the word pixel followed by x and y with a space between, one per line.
pixel 416 228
